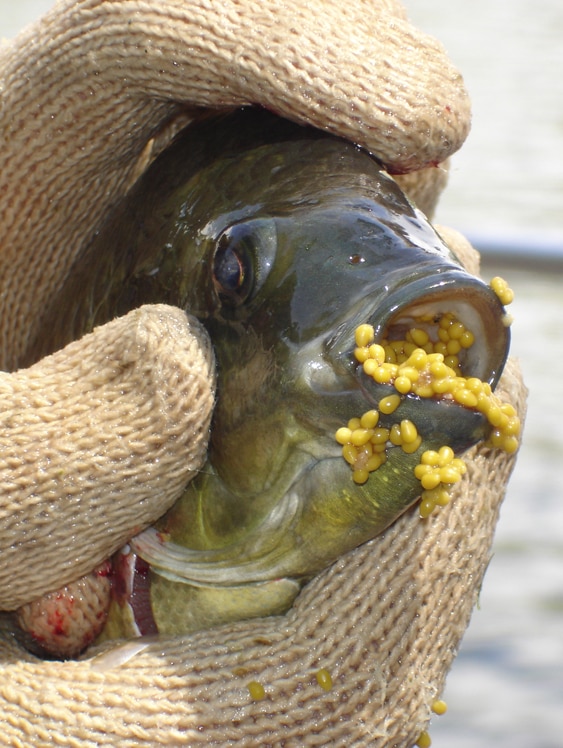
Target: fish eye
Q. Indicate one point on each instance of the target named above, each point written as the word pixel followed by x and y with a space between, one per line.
pixel 242 259
pixel 232 269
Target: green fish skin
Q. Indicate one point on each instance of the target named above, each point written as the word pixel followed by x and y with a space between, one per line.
pixel 281 240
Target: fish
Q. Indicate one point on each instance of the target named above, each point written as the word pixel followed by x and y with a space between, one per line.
pixel 282 240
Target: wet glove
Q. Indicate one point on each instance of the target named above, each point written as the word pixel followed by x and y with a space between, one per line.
pixel 98 439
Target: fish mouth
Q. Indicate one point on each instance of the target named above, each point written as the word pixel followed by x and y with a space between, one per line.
pixel 479 349
pixel 423 305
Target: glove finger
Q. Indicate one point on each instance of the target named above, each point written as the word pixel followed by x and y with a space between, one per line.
pixel 96 442
pixel 64 622
pixel 462 248
pixel 424 187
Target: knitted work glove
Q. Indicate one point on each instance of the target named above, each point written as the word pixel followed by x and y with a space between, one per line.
pixel 87 97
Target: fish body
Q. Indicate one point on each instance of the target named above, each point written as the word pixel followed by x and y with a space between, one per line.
pixel 281 240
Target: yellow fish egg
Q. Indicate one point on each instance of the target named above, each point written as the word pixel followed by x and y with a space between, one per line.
pixel 439 706
pixel 324 679
pixel 502 290
pixel 256 690
pixel 424 740
pixel 364 335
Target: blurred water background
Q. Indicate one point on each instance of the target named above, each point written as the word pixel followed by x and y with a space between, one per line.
pixel 506 193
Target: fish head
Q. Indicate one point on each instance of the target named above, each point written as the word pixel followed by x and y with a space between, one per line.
pixel 283 241
pixel 321 241
pixel 293 290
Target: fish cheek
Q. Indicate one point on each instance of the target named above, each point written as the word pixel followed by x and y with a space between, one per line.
pixel 248 430
pixel 248 458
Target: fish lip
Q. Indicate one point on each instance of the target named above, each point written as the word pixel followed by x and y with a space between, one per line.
pixel 441 418
pixel 373 391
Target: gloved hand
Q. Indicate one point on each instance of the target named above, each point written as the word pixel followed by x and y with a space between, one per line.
pixel 86 93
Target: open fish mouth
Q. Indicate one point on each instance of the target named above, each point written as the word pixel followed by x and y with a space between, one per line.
pixel 458 317
pixel 459 329
pixel 428 369
pixel 463 321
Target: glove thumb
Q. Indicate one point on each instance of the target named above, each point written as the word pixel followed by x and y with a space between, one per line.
pixel 96 442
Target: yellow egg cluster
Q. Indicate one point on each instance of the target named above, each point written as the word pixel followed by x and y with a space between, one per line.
pixel 383 362
pixel 363 444
pixel 425 367
pixel 428 375
pixel 501 288
pixel 437 471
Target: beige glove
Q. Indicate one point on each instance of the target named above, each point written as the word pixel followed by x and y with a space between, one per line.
pixel 83 92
